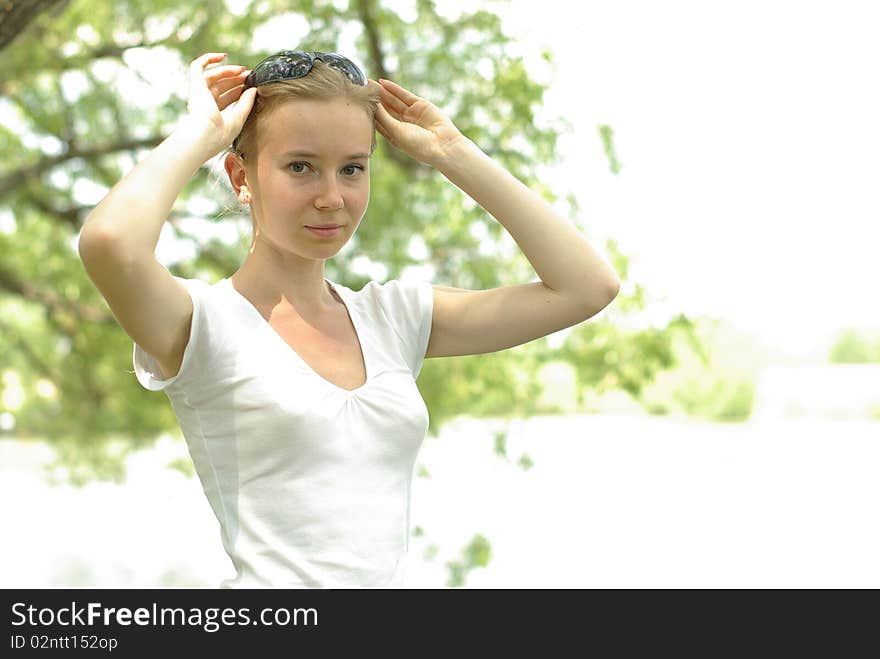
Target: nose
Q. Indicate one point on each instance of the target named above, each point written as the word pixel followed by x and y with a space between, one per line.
pixel 329 197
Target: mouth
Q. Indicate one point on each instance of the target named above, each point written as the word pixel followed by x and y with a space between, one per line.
pixel 325 231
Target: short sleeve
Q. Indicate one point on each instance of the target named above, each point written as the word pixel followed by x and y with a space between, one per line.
pixel 410 307
pixel 195 355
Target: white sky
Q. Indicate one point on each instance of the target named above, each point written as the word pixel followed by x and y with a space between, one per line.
pixel 749 137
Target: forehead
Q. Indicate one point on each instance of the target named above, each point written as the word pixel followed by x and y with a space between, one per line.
pixel 334 128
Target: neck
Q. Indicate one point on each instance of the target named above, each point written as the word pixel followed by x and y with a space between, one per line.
pixel 270 279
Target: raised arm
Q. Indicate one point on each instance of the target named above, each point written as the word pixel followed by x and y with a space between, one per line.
pixel 134 210
pixel 576 283
pixel 118 240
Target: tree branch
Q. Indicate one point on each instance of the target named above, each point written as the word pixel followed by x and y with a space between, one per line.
pixel 16 16
pixel 10 283
pixel 33 172
pixel 218 261
pixel 365 13
pixel 11 335
pixel 69 215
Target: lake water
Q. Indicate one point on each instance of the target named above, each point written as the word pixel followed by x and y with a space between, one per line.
pixel 610 502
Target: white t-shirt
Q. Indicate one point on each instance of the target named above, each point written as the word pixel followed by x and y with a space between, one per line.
pixel 310 482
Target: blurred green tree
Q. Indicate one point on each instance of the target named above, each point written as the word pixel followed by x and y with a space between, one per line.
pixel 855 347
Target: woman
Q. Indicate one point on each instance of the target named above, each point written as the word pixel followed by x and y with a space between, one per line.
pixel 297 395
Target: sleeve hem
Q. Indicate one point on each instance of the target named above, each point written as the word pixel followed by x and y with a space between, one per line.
pixel 425 300
pixel 144 362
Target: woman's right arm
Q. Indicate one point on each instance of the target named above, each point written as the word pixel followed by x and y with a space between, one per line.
pixel 118 240
pixel 130 218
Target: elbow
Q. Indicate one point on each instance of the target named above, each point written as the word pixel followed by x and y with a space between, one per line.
pixel 101 250
pixel 94 243
pixel 598 299
pixel 613 289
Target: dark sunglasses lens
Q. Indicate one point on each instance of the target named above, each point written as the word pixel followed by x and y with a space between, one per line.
pixel 346 66
pixel 291 64
pixel 282 66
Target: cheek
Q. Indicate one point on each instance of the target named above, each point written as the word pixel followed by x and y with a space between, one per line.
pixel 360 194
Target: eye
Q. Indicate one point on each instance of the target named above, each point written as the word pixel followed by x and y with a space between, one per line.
pixel 294 165
pixel 355 167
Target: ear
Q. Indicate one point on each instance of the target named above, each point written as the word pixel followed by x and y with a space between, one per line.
pixel 236 172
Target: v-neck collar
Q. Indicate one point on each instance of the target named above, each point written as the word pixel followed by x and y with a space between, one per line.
pixel 342 292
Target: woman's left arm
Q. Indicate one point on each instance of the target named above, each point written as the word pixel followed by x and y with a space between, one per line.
pixel 558 252
pixel 575 282
pixel 580 280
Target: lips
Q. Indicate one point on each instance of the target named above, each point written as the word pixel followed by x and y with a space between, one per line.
pixel 329 232
pixel 324 226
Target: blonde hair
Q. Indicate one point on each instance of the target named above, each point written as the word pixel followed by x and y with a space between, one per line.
pixel 321 83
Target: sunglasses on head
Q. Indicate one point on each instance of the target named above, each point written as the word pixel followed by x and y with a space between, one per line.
pixel 291 64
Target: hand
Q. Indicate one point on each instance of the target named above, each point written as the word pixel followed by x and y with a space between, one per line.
pixel 414 125
pixel 213 95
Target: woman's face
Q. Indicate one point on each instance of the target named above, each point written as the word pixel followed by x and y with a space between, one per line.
pixel 312 169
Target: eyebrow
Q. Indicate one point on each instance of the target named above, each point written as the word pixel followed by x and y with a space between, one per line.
pixel 309 154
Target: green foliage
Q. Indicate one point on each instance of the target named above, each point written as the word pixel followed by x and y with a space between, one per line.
pixel 606 133
pixel 855 347
pixel 716 383
pixel 476 554
pixel 501 444
pixel 717 399
pixel 184 466
pixel 525 462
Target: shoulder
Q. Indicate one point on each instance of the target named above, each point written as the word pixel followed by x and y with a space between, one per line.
pixel 208 299
pixel 201 289
pixel 396 294
pixel 196 285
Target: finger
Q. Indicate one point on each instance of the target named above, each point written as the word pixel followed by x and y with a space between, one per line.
pixel 199 63
pixel 228 97
pixel 197 67
pixel 394 104
pixel 225 84
pixel 241 110
pixel 390 112
pixel 384 123
pixel 386 119
pixel 384 133
pixel 221 72
pixel 406 96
